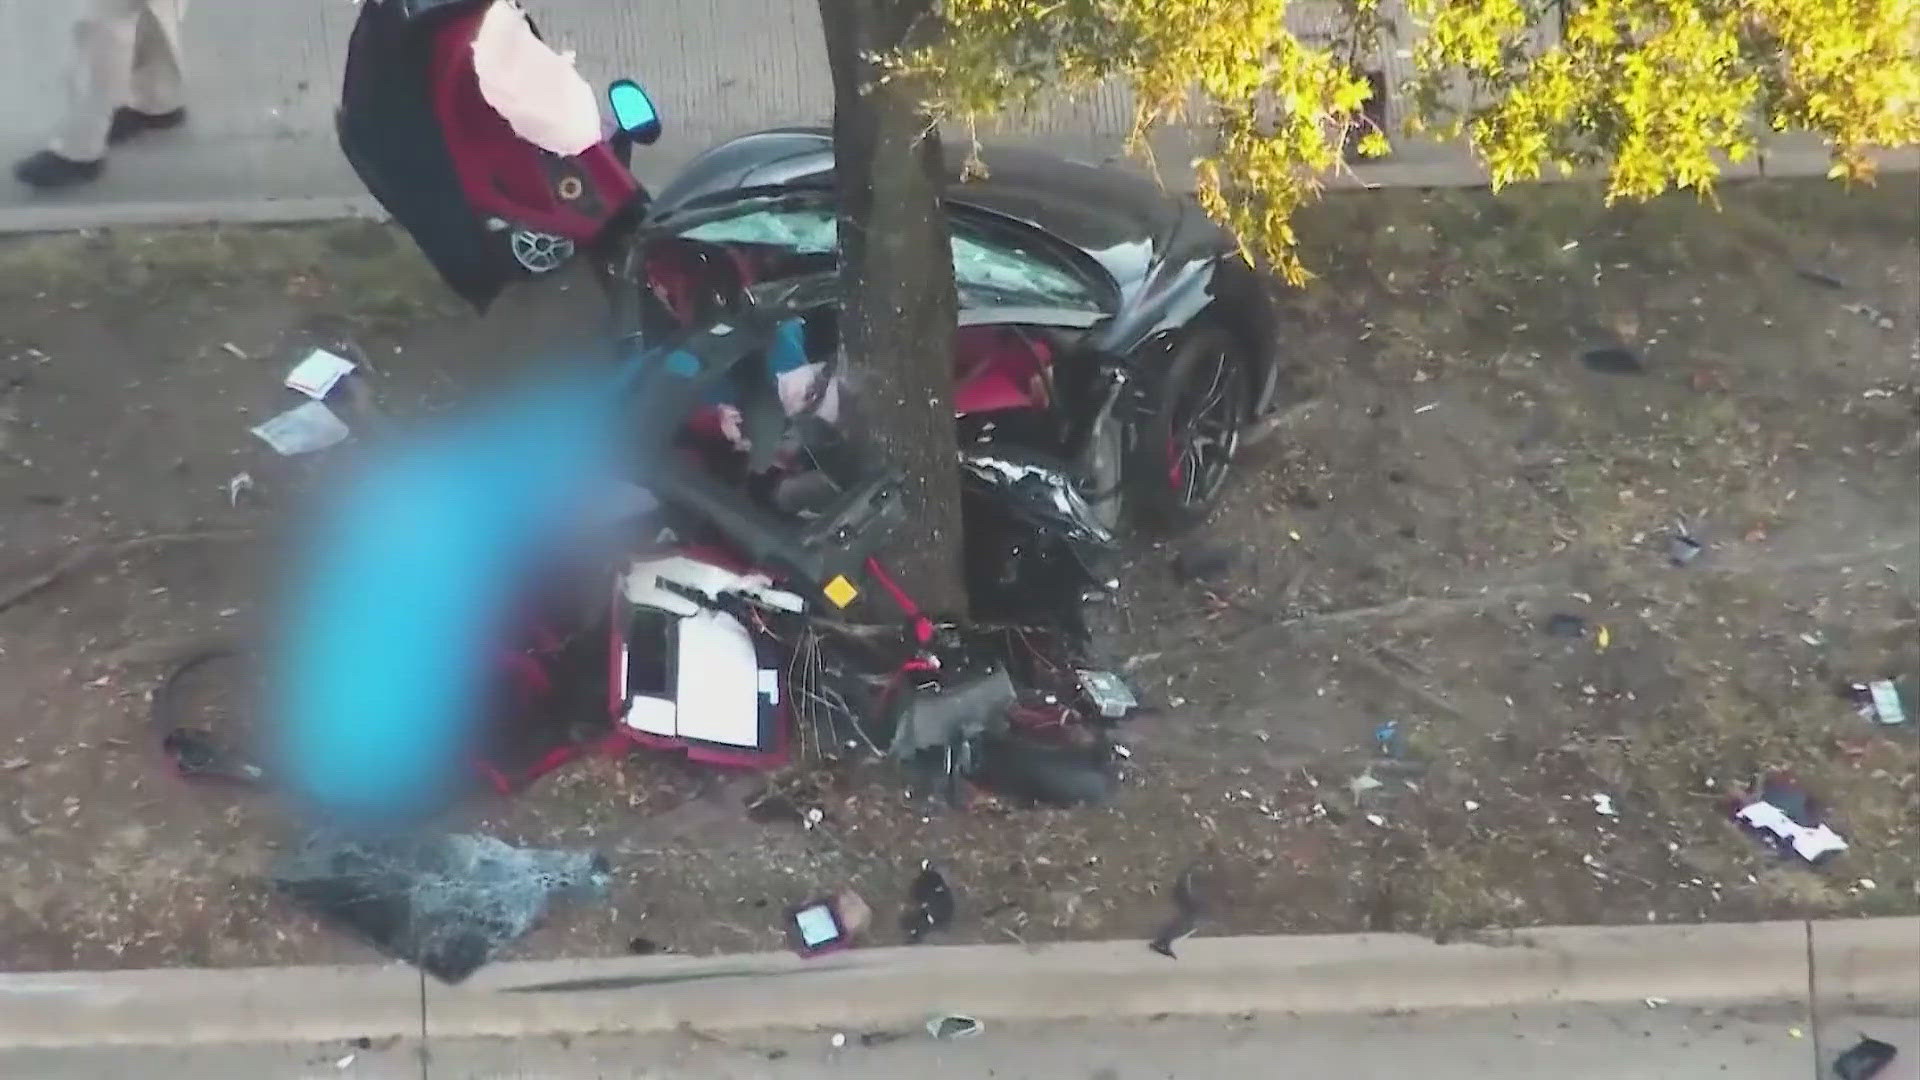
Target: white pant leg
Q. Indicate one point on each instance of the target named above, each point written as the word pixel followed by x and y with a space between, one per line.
pixel 159 84
pixel 109 38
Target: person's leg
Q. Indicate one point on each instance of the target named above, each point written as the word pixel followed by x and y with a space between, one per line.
pixel 99 82
pixel 158 82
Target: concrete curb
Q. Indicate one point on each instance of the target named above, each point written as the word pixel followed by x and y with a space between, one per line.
pixel 1861 961
pixel 1426 166
pixel 73 217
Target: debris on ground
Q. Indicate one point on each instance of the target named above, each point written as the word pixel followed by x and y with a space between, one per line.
pixel 444 903
pixel 1882 701
pixel 1820 277
pixel 1187 909
pixel 929 904
pixel 237 485
pixel 1613 360
pixel 1683 549
pixel 1204 563
pixel 815 928
pixel 1864 1060
pixel 303 429
pixel 1386 739
pixel 318 374
pixel 954 1026
pixel 642 946
pixel 1109 693
pixel 1565 625
pixel 1787 818
pixel 1603 804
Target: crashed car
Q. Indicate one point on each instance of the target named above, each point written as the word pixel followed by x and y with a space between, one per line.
pixel 1092 300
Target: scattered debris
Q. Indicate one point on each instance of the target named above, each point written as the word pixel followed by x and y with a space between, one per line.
pixel 304 429
pixel 197 755
pixel 345 1063
pixel 641 946
pixel 1187 909
pixel 1386 739
pixel 1820 277
pixel 1603 805
pixel 1376 821
pixel 1656 1002
pixel 318 374
pixel 1471 805
pixel 1784 816
pixel 1870 313
pixel 954 1026
pixel 1613 360
pixel 239 484
pixel 1360 785
pixel 1109 693
pixel 839 1039
pixel 1205 563
pixel 929 904
pixel 444 903
pixel 1683 549
pixel 816 927
pixel 1884 702
pixel 1565 625
pixel 1864 1060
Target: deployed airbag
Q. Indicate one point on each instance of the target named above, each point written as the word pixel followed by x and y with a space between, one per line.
pixel 535 89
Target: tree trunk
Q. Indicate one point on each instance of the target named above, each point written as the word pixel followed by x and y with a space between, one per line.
pixel 896 267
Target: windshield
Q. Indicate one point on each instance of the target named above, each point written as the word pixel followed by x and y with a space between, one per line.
pixel 992 268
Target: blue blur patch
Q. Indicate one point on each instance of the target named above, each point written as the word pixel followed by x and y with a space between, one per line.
pixel 404 593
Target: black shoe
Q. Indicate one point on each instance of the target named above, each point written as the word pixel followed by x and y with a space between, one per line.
pixel 127 123
pixel 47 170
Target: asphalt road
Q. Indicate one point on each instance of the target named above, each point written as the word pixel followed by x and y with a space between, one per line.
pixel 1586 1043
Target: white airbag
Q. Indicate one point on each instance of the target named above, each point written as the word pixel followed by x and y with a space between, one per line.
pixel 537 90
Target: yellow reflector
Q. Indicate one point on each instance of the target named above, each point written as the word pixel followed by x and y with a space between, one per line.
pixel 841 591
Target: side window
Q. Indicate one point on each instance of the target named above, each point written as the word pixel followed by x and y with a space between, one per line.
pixel 991 268
pixel 804 231
pixel 997 270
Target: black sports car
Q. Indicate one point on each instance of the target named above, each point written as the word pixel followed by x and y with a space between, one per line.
pixel 1093 259
pixel 1086 291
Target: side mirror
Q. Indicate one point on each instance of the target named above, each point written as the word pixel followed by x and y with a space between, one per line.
pixel 633 112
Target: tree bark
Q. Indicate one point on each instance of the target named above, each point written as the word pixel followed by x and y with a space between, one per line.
pixel 896 268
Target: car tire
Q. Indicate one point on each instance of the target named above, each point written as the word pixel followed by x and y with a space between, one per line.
pixel 1193 414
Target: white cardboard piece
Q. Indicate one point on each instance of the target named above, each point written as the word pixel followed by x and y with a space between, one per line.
pixel 303 429
pixel 319 373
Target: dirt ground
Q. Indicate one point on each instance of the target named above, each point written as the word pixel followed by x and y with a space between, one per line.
pixel 1455 477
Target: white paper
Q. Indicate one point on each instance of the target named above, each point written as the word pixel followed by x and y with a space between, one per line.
pixel 770 685
pixel 1886 702
pixel 1809 844
pixel 319 373
pixel 537 90
pixel 303 429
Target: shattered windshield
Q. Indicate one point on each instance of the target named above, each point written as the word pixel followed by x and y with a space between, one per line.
pixel 990 270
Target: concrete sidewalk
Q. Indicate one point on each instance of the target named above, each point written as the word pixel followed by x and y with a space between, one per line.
pixel 1820 968
pixel 265 80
